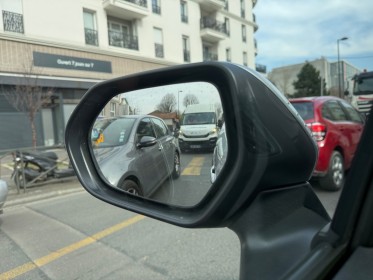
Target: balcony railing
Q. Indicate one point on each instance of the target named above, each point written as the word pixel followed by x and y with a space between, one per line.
pixel 210 56
pixel 142 3
pixel 91 36
pixel 13 22
pixel 156 9
pixel 159 50
pixel 123 40
pixel 186 56
pixel 211 23
pixel 261 68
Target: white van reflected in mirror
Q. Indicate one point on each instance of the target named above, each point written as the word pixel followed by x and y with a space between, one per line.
pixel 159 142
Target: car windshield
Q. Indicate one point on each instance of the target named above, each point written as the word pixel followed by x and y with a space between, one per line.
pixel 304 109
pixel 113 132
pixel 363 86
pixel 199 118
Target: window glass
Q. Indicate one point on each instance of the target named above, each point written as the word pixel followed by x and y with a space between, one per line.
pixel 144 129
pixel 113 131
pixel 325 112
pixel 160 128
pixel 352 113
pixel 336 111
pixel 89 20
pixel 304 109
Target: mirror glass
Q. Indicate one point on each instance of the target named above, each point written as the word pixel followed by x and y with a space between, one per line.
pixel 165 143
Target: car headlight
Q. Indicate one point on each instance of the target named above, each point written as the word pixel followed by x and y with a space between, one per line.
pixel 213 131
pixel 180 132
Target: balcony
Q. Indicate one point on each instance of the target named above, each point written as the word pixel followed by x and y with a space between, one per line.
pixel 91 37
pixel 213 30
pixel 211 5
pixel 255 47
pixel 261 68
pixel 156 9
pixel 126 9
pixel 13 22
pixel 123 40
pixel 255 24
pixel 210 56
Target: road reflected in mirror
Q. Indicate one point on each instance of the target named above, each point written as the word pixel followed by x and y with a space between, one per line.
pixel 165 143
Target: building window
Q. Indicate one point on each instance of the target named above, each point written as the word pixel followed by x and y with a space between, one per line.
pixel 244 56
pixel 208 53
pixel 226 5
pixel 121 35
pixel 156 6
pixel 243 12
pixel 158 42
pixel 243 33
pixel 184 11
pixel 186 50
pixel 112 109
pixel 13 16
pixel 90 28
pixel 228 54
pixel 227 26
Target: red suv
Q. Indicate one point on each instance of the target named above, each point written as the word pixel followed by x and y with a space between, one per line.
pixel 337 127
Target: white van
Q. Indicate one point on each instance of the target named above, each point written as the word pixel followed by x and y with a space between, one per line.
pixel 199 127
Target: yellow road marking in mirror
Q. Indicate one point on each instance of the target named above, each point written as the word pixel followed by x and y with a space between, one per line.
pixel 194 167
pixel 68 249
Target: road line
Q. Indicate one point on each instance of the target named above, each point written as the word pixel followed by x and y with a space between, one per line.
pixel 194 167
pixel 68 249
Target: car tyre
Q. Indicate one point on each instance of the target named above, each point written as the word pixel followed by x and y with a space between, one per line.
pixel 131 187
pixel 176 170
pixel 334 179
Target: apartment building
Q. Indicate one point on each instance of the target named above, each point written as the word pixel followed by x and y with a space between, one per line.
pixel 67 46
pixel 284 77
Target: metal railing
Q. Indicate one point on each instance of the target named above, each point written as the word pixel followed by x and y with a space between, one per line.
pixel 91 36
pixel 159 52
pixel 142 3
pixel 123 40
pixel 13 167
pixel 212 23
pixel 13 22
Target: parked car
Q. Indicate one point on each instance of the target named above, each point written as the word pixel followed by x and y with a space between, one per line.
pixel 3 194
pixel 220 154
pixel 126 146
pixel 336 126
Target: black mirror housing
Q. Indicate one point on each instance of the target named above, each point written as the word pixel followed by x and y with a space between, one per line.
pixel 269 145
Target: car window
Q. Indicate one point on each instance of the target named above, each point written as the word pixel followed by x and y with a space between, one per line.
pixel 144 129
pixel 336 111
pixel 113 132
pixel 304 109
pixel 160 128
pixel 352 113
pixel 325 112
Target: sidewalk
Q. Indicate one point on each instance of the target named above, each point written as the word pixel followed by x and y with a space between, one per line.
pixel 49 190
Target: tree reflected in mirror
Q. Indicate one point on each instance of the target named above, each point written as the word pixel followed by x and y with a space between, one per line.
pixel 166 143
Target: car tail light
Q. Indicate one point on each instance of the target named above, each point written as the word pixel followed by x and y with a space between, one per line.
pixel 318 130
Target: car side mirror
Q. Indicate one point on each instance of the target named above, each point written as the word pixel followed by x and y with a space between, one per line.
pixel 268 145
pixel 146 141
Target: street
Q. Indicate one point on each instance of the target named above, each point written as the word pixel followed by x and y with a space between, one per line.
pixel 77 236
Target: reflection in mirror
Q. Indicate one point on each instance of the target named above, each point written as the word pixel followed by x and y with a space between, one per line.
pixel 165 143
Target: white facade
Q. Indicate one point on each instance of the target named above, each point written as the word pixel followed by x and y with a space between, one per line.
pixel 62 22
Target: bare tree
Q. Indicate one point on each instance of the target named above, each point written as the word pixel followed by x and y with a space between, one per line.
pixel 190 99
pixel 28 97
pixel 167 104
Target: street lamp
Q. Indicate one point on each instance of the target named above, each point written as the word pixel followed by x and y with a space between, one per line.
pixel 339 66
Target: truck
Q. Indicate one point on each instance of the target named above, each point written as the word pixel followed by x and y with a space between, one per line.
pixel 199 127
pixel 362 92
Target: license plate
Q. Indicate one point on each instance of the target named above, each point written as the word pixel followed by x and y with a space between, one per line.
pixel 195 146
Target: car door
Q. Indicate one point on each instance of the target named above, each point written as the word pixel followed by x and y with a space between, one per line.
pixel 147 158
pixel 355 125
pixel 166 154
pixel 343 129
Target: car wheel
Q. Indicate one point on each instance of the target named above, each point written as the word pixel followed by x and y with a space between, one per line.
pixel 132 187
pixel 334 179
pixel 176 170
